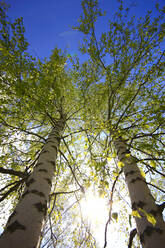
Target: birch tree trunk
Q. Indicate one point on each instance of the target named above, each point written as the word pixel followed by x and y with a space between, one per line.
pixel 25 223
pixel 151 236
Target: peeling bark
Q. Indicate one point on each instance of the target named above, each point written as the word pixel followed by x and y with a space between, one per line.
pixel 151 236
pixel 23 228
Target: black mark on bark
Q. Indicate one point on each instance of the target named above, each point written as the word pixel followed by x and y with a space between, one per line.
pixel 53 146
pixel 125 152
pixel 41 207
pixel 130 173
pixel 15 226
pixel 148 232
pixel 43 170
pixel 50 141
pixel 52 163
pixel 46 151
pixel 26 192
pixel 36 192
pixel 38 164
pixel 154 212
pixel 48 181
pixel 137 205
pixel 12 215
pixel 136 179
pixel 30 182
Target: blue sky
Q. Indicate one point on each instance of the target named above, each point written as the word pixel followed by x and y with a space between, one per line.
pixel 48 22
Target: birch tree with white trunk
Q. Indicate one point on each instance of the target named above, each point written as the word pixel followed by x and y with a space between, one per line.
pixel 25 224
pixel 123 93
pixel 149 219
pixel 34 111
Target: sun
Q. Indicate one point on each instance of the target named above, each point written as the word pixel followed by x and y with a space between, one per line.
pixel 94 208
pixel 95 212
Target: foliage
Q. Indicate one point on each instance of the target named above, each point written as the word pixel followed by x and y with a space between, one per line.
pixel 117 92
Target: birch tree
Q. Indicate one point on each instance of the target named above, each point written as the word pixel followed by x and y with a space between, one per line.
pixel 34 112
pixel 127 93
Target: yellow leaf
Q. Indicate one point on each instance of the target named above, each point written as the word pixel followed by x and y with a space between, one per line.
pixel 147 126
pixel 151 219
pixel 142 173
pixel 115 173
pixel 120 164
pixel 127 155
pixel 114 155
pixel 109 159
pixel 136 214
pixel 91 173
pixel 85 147
pixel 101 193
pixel 57 217
pixel 153 164
pixel 149 216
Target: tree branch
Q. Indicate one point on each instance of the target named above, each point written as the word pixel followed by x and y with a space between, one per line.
pixel 131 237
pixel 13 172
pixel 14 188
pixel 82 188
pixel 156 187
pixel 25 131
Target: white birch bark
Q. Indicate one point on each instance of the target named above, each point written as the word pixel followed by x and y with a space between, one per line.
pixel 151 236
pixel 24 225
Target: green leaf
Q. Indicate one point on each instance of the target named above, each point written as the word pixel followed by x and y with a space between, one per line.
pixel 153 164
pixel 130 222
pixel 115 216
pixel 109 159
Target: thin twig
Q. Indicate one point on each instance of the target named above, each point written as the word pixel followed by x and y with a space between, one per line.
pixel 156 187
pixel 110 210
pixel 82 188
